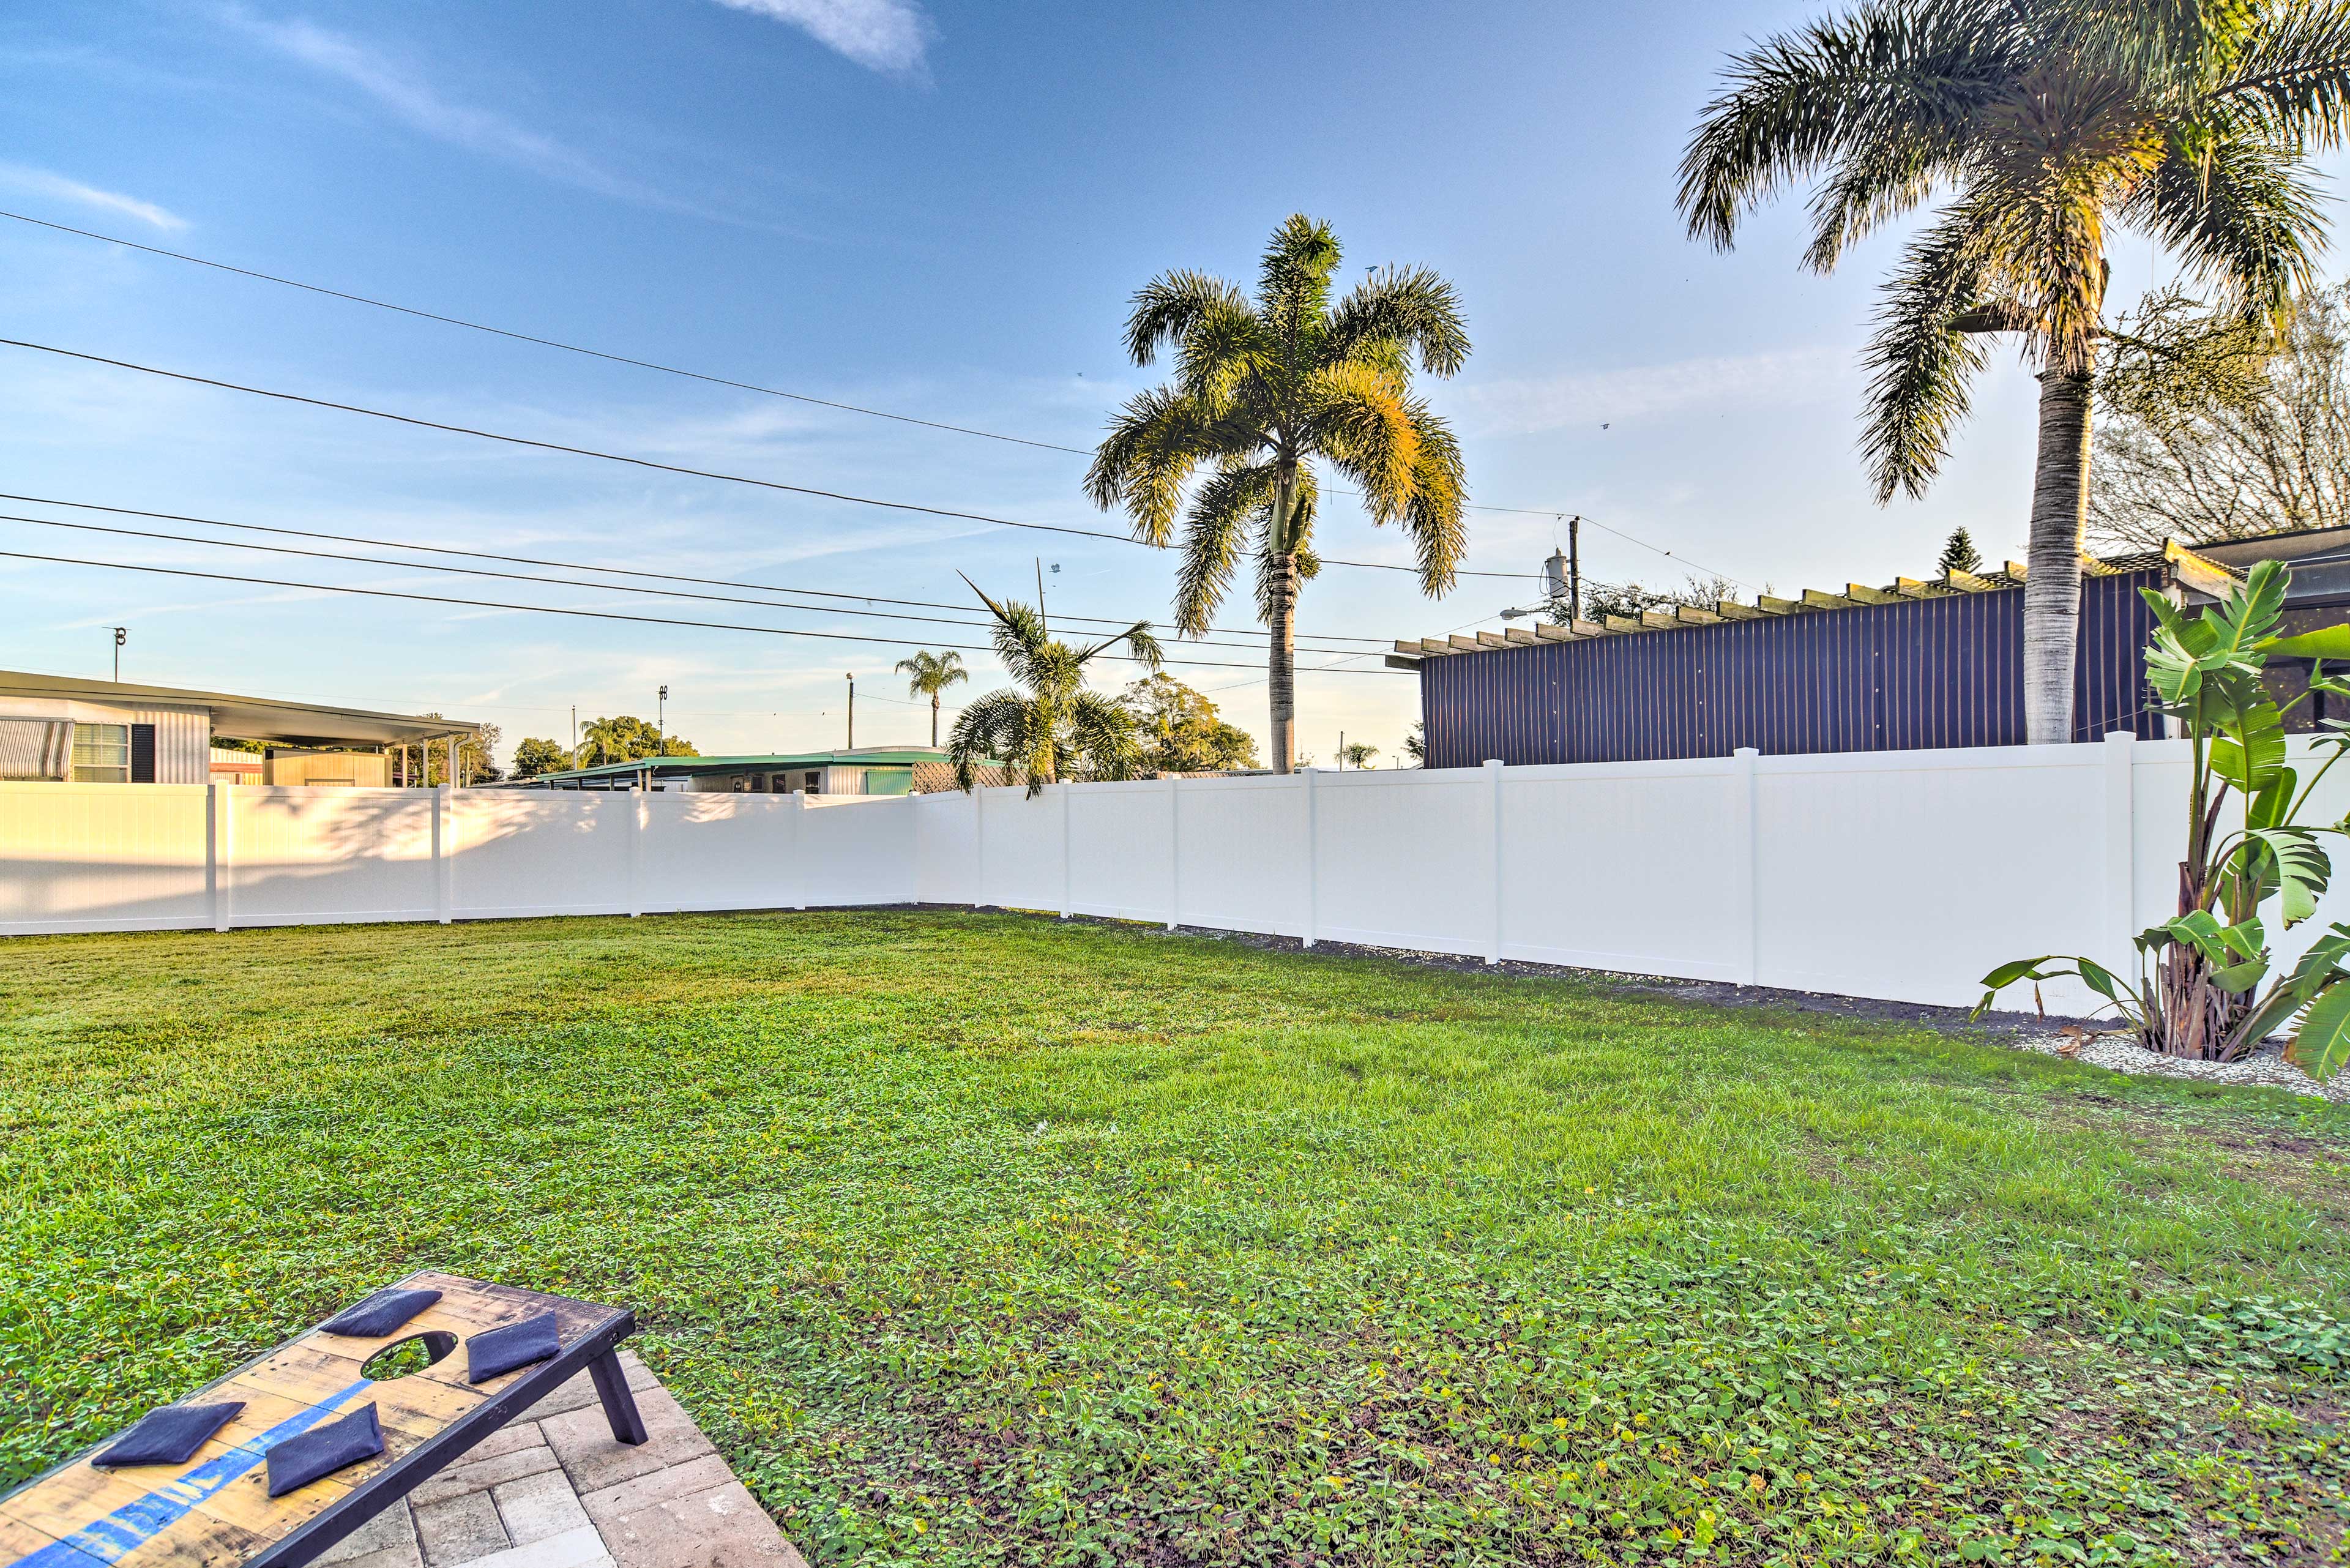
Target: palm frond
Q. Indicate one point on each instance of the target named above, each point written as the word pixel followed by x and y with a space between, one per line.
pixel 1358 418
pixel 1168 306
pixel 2243 215
pixel 2292 79
pixel 1889 72
pixel 1100 738
pixel 1920 361
pixel 1403 310
pixel 1227 505
pixel 1293 276
pixel 992 726
pixel 1158 438
pixel 1436 519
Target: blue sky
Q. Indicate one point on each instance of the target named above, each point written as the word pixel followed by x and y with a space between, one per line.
pixel 934 208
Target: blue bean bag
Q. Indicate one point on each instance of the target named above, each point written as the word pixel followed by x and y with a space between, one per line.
pixel 169 1434
pixel 381 1313
pixel 322 1450
pixel 498 1350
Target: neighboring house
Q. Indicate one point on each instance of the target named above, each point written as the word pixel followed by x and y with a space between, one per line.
pixel 869 770
pixel 1913 665
pixel 104 731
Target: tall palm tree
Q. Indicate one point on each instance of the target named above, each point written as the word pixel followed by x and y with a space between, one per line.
pixel 931 674
pixel 1263 388
pixel 2036 123
pixel 1054 728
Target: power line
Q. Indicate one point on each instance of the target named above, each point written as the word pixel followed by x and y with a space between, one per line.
pixel 650 464
pixel 739 385
pixel 583 566
pixel 527 577
pixel 583 614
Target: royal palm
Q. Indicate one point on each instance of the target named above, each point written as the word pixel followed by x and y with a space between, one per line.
pixel 929 675
pixel 2035 125
pixel 1264 389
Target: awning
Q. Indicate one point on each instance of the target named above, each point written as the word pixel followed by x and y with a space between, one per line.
pixel 247 717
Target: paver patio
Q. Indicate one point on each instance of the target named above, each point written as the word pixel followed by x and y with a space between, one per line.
pixel 552 1489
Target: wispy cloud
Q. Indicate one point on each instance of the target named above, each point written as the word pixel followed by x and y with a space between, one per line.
pixel 404 93
pixel 41 181
pixel 1529 405
pixel 886 36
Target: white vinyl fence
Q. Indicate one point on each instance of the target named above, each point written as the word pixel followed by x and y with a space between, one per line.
pixel 1899 874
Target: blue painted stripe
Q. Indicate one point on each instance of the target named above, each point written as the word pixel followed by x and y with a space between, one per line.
pixel 134 1525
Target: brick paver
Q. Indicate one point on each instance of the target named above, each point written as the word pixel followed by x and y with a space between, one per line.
pixel 554 1491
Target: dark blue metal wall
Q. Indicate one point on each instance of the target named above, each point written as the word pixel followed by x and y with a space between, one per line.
pixel 1917 674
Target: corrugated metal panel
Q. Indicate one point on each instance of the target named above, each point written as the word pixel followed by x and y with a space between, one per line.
pixel 1920 674
pixel 35 748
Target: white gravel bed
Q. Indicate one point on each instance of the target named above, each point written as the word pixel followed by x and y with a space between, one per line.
pixel 2122 1055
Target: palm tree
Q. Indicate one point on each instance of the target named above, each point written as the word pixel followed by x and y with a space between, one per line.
pixel 1264 387
pixel 1356 755
pixel 2036 123
pixel 932 673
pixel 607 741
pixel 1055 729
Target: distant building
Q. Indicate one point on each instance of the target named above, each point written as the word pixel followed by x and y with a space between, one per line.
pixel 869 770
pixel 108 732
pixel 1914 664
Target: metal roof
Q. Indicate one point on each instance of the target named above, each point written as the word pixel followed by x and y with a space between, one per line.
pixel 680 767
pixel 2011 575
pixel 247 718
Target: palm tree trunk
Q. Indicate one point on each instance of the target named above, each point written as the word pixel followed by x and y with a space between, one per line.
pixel 1282 663
pixel 934 721
pixel 2052 587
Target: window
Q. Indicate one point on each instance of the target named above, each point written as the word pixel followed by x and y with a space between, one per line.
pixel 101 754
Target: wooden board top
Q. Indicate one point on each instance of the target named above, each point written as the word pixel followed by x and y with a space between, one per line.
pixel 216 1508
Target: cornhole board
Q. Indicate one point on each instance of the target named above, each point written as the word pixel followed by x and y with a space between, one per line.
pixel 216 1509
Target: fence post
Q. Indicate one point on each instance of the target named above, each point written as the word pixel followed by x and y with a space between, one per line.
pixel 2120 858
pixel 637 852
pixel 1311 911
pixel 443 825
pixel 1493 807
pixel 1174 856
pixel 1745 888
pixel 216 854
pixel 979 845
pixel 1069 855
pixel 799 850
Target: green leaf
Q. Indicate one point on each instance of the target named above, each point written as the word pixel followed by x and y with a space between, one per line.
pixel 2323 1042
pixel 2326 642
pixel 2303 868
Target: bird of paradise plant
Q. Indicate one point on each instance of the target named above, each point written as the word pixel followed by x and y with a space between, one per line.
pixel 2199 992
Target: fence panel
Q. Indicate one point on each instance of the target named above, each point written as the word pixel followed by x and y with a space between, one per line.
pixel 856 849
pixel 1119 851
pixel 712 851
pixel 99 857
pixel 1626 866
pixel 1240 846
pixel 1404 858
pixel 1908 875
pixel 304 856
pixel 539 852
pixel 1020 848
pixel 946 848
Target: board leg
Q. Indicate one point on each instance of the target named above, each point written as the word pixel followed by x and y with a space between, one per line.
pixel 619 1404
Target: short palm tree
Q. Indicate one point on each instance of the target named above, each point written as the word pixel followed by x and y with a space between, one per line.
pixel 1263 388
pixel 1356 755
pixel 1051 727
pixel 605 740
pixel 929 675
pixel 2036 123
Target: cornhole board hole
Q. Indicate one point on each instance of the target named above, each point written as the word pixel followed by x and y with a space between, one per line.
pixel 214 1508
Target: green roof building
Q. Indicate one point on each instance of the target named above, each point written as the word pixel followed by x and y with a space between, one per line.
pixel 869 770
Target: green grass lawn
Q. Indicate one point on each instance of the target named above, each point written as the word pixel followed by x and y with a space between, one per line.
pixel 986 1239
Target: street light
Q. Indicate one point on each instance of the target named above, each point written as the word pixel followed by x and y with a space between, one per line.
pixel 661 722
pixel 122 636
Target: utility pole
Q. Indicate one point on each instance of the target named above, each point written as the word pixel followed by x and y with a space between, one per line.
pixel 122 636
pixel 852 714
pixel 661 724
pixel 1574 567
pixel 1040 598
pixel 575 734
pixel 1342 748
